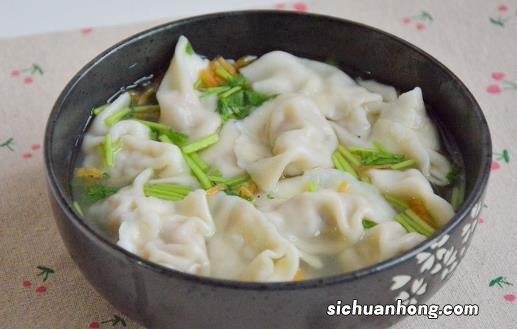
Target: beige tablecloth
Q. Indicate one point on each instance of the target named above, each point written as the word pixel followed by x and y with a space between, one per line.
pixel 42 288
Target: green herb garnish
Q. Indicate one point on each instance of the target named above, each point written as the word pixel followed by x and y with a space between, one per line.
pixel 116 117
pixel 77 208
pixel 199 161
pixel 96 111
pixel 222 73
pixel 403 165
pixel 92 190
pixel 200 174
pixel 354 161
pixel 213 90
pixel 452 176
pixel 368 223
pixel 201 144
pixel 343 165
pixel 236 99
pixel 188 49
pixel 108 151
pixel 457 196
pixel 405 222
pixel 396 202
pixel 169 192
pixel 232 182
pixel 160 129
pixel 418 223
pixel 381 158
pixel 311 187
pixel 378 146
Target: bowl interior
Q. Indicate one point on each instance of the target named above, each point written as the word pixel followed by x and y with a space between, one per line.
pixel 358 49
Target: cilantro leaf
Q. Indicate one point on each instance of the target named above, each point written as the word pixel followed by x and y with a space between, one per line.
pixel 93 190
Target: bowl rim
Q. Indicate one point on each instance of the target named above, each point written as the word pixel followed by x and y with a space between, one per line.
pixel 117 251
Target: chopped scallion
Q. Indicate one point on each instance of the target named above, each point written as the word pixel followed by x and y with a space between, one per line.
pixel 221 72
pixel 419 224
pixel 199 161
pixel 116 117
pixel 236 181
pixel 230 92
pixel 311 187
pixel 405 222
pixel 148 191
pixel 200 174
pixel 146 108
pixel 98 110
pixel 215 90
pixel 108 151
pixel 165 139
pixel 342 164
pixel 174 136
pixel 396 202
pixel 379 147
pixel 354 161
pixel 403 165
pixel 201 144
pixel 180 189
pixel 457 196
pixel 77 208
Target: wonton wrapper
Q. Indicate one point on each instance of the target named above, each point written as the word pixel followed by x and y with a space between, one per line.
pixel 137 152
pixel 285 136
pixel 180 105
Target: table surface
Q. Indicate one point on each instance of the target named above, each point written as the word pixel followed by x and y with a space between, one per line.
pixel 26 17
pixel 42 288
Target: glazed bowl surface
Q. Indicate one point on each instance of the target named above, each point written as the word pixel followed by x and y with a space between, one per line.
pixel 158 297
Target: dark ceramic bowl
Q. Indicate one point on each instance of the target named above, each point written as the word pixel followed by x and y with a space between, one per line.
pixel 159 297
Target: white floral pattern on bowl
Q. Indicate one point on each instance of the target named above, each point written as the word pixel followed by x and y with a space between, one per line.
pixel 441 258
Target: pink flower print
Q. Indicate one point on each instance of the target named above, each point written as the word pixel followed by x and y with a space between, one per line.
pixel 420 21
pixel 501 17
pixel 300 6
pixel 510 297
pixel 28 74
pixel 86 30
pixel 503 157
pixel 94 325
pixel 505 84
pixel 41 290
pixel 502 8
pixel 498 76
pixel 27 284
pixel 27 155
pixel 494 89
pixel 35 147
